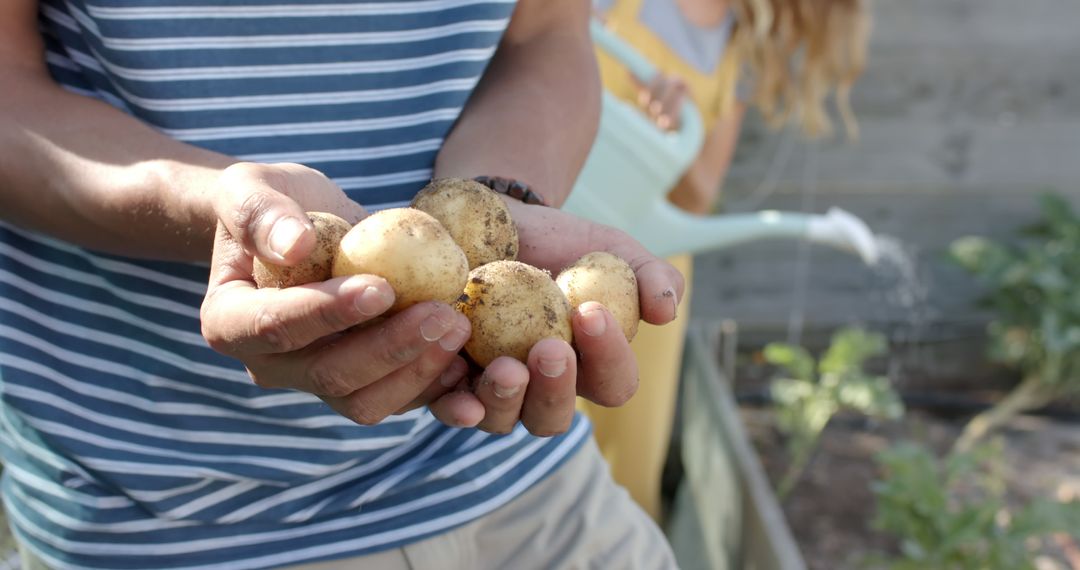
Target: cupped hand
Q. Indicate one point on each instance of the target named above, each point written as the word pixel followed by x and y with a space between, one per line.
pixel 541 392
pixel 326 338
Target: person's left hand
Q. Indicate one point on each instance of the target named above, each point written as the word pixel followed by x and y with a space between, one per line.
pixel 662 99
pixel 541 392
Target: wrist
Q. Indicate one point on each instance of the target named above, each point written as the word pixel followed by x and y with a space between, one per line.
pixel 181 195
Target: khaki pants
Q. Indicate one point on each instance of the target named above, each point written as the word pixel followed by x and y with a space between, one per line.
pixel 577 518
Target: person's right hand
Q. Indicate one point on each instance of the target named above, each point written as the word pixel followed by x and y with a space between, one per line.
pixel 661 99
pixel 324 338
pixel 540 391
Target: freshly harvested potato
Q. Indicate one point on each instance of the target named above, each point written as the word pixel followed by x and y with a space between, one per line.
pixel 606 279
pixel 329 229
pixel 474 215
pixel 512 306
pixel 411 250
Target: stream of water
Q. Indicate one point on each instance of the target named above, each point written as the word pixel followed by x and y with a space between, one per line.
pixel 900 287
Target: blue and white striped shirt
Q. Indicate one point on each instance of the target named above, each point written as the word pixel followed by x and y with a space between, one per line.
pixel 126 441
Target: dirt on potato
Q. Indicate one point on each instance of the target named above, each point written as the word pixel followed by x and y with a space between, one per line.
pixel 476 218
pixel 512 306
pixel 329 229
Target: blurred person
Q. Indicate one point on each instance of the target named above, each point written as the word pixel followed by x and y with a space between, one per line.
pixel 159 411
pixel 783 57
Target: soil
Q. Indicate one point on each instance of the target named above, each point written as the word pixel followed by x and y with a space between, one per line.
pixel 830 510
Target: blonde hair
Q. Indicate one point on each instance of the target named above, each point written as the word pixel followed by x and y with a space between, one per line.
pixel 797 53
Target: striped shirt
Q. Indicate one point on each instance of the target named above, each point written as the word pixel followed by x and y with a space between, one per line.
pixel 127 442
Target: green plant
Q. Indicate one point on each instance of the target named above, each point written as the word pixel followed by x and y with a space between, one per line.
pixel 810 393
pixel 1033 290
pixel 951 513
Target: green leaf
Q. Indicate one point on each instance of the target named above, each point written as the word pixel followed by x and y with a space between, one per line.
pixel 795 359
pixel 789 391
pixel 1042 517
pixel 979 255
pixel 873 397
pixel 1056 211
pixel 944 512
pixel 850 348
pixel 1033 289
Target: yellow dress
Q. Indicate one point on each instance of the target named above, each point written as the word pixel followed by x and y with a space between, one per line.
pixel 634 438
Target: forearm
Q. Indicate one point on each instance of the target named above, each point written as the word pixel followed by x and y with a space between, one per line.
pixel 698 188
pixel 534 115
pixel 80 170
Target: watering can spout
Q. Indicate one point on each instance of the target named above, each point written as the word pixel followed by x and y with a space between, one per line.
pixel 673 231
pixel 842 230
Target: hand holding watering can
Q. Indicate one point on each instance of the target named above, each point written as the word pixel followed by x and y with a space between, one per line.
pixel 634 163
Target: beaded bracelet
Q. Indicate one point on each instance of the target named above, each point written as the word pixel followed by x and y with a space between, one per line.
pixel 512 188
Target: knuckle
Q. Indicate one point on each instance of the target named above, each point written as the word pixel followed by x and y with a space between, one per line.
pixel 252 208
pixel 364 414
pixel 331 317
pixel 555 401
pixel 213 335
pixel 240 172
pixel 397 344
pixel 214 339
pixel 617 397
pixel 272 329
pixel 426 367
pixel 398 354
pixel 304 170
pixel 328 381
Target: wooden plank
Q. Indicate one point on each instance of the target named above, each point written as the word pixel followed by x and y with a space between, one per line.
pixel 737 515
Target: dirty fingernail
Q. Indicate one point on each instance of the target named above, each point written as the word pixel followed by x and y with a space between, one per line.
pixel 552 367
pixel 284 235
pixel 593 322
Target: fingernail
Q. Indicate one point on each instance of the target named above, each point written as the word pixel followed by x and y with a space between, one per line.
pixel 593 322
pixel 433 328
pixel 552 367
pixel 454 340
pixel 372 301
pixel 506 390
pixel 285 234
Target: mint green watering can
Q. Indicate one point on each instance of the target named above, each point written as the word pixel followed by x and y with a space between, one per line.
pixel 633 164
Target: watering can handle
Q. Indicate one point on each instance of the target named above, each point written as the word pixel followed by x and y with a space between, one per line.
pixel 687 140
pixel 644 212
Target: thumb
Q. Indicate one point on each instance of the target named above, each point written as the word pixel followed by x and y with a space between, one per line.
pixel 267 223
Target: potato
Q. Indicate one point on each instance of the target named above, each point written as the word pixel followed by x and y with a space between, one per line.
pixel 474 215
pixel 606 279
pixel 512 306
pixel 411 250
pixel 329 230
